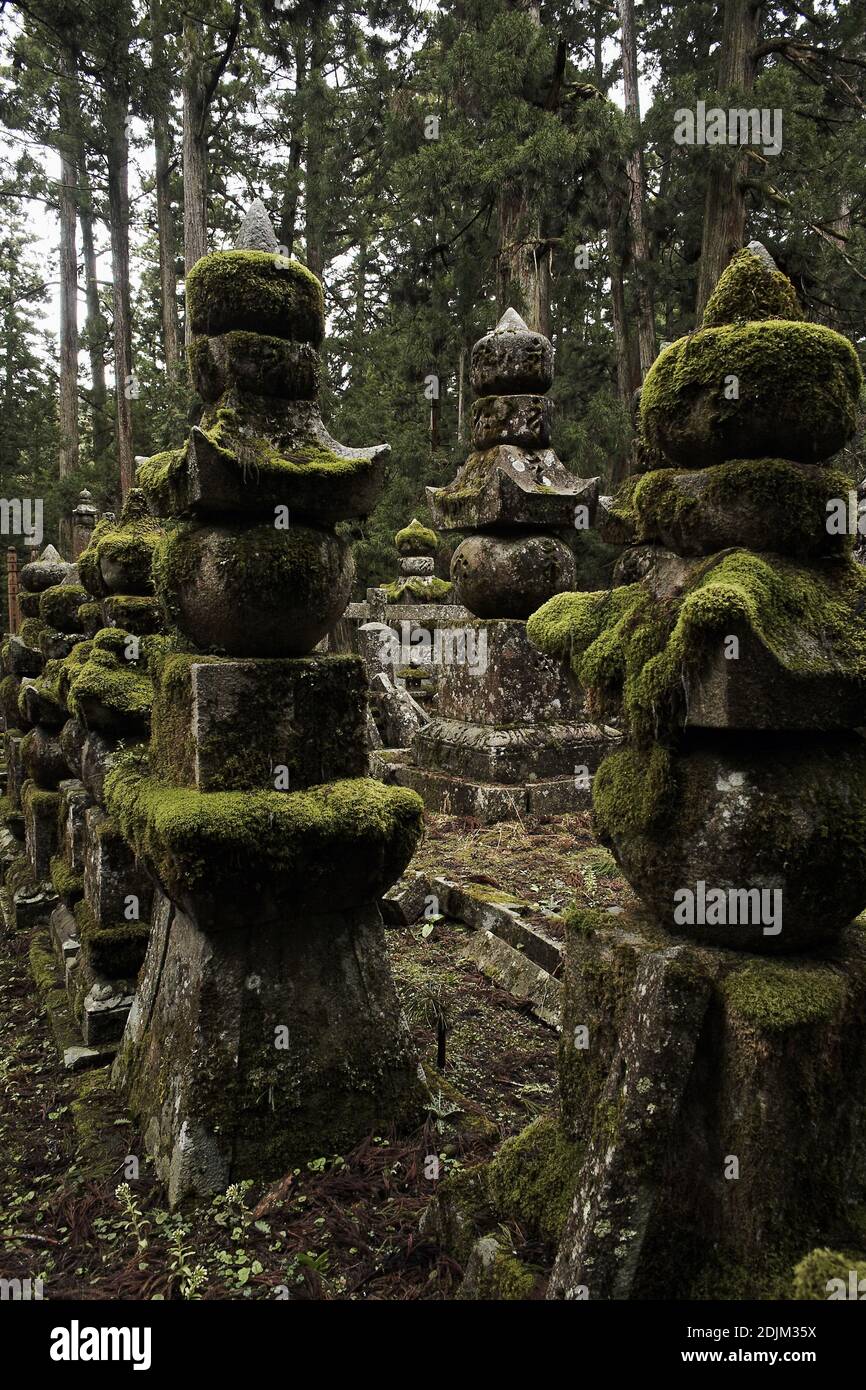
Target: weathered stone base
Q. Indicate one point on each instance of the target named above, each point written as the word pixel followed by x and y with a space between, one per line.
pixel 513 754
pixel 720 1099
pixel 483 801
pixel 265 1045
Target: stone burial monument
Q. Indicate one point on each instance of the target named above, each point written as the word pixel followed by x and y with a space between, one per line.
pixel 266 1026
pixel 509 737
pixel 712 1063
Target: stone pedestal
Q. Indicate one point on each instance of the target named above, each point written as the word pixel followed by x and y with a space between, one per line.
pixel 717 1098
pixel 251 1050
pixel 508 738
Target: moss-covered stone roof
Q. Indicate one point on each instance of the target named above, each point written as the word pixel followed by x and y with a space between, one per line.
pixel 198 841
pixel 416 539
pixel 743 391
pixel 634 653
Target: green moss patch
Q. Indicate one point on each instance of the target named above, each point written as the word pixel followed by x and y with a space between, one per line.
pixel 90 617
pixel 418 589
pixel 799 380
pixel 115 952
pixel 127 544
pixel 790 499
pixel 31 630
pixel 534 1177
pixel 775 998
pixel 747 291
pixel 68 885
pixel 825 1273
pixel 58 606
pixel 416 539
pixel 635 653
pixel 200 840
pixel 258 291
pixel 135 613
pixel 106 690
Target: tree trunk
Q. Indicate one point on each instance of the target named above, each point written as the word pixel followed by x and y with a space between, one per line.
pixel 194 149
pixel 67 145
pixel 637 196
pixel 165 220
pixel 523 263
pixel 725 205
pixel 96 326
pixel 118 217
pixel 314 192
pixel 291 189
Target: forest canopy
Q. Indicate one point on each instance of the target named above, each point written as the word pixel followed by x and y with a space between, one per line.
pixel 432 165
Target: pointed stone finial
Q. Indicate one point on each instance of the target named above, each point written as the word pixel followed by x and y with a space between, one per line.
pixel 758 249
pixel 256 232
pixel 50 556
pixel 511 322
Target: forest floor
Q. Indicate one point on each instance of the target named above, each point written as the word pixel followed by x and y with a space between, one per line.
pixel 346 1226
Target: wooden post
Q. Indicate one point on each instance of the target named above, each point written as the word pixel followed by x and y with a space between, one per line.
pixel 12 588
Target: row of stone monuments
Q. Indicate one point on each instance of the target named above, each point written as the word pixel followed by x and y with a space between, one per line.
pixel 189 799
pixel 711 1128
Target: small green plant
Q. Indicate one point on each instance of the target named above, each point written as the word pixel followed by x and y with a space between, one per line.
pixel 190 1278
pixel 133 1218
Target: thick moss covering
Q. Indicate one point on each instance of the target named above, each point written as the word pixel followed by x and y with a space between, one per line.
pixel 634 653
pixel 154 476
pixel 825 1273
pixel 416 539
pixel 52 704
pixel 127 545
pixel 747 291
pixel 9 691
pixel 133 612
pixel 415 588
pixel 775 998
pixel 58 606
pixel 107 691
pixel 71 666
pixel 200 841
pixel 784 501
pixel 257 291
pixel 68 885
pixel 534 1176
pixel 798 386
pixel 89 618
pixel 31 631
pixel 532 1179
pixel 264 476
pixel 117 952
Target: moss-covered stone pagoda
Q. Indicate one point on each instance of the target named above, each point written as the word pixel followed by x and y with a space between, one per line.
pixel 266 1028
